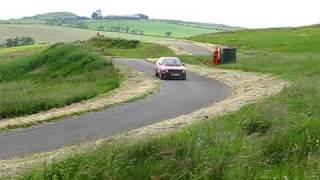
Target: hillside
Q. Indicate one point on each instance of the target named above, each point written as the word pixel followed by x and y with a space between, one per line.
pixel 148 27
pixel 276 138
pixel 127 48
pixel 293 40
pixel 211 26
pixel 151 27
pixel 53 34
pixel 53 15
pixel 58 76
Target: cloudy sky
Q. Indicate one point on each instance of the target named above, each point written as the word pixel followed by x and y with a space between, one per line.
pixel 245 13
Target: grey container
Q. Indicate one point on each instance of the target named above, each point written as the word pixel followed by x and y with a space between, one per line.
pixel 228 55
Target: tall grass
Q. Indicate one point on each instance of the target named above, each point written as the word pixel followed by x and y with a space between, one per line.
pixel 127 48
pixel 58 76
pixel 22 51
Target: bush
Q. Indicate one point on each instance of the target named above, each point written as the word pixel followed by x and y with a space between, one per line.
pixel 102 42
pixel 18 41
pixel 266 115
pixel 295 144
pixel 256 126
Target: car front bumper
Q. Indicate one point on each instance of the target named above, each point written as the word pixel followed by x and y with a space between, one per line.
pixel 174 74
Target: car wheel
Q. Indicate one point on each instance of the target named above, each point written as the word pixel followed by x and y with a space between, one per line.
pixel 184 77
pixel 161 76
pixel 156 74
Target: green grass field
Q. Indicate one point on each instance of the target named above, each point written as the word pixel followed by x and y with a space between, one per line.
pixel 151 27
pixel 58 76
pixel 14 52
pixel 278 138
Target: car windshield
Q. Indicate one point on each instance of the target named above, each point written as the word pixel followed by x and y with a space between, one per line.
pixel 172 62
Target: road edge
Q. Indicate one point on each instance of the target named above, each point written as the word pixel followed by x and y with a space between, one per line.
pixel 136 85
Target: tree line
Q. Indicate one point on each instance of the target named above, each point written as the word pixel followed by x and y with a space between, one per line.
pixel 125 29
pixel 68 23
pixel 18 41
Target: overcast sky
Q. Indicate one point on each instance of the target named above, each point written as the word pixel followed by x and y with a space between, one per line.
pixel 245 13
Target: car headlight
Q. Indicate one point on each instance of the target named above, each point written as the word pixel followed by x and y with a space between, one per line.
pixel 165 70
pixel 183 71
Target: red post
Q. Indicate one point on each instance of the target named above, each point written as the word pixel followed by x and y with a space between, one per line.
pixel 216 56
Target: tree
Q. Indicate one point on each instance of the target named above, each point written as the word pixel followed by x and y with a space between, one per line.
pixel 18 41
pixel 81 25
pixel 100 28
pixel 94 15
pixel 127 29
pixel 118 28
pixel 29 41
pixel 9 43
pixel 97 14
pixel 168 34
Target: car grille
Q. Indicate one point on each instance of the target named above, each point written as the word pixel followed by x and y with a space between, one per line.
pixel 175 71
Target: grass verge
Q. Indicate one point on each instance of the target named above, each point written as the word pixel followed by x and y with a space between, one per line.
pixel 61 75
pixel 135 85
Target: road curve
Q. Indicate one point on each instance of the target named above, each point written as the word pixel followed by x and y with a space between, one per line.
pixel 188 47
pixel 175 98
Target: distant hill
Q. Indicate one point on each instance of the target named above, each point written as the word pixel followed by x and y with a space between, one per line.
pixel 210 26
pixel 55 16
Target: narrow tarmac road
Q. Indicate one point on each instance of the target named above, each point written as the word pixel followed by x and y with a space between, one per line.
pixel 188 47
pixel 175 98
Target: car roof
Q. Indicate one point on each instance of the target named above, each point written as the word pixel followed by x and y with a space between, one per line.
pixel 162 58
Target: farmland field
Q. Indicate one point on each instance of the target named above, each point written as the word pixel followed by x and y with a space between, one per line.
pixel 53 34
pixel 151 27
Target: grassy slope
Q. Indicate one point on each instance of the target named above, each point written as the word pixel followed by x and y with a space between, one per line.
pixel 144 50
pixel 58 76
pixel 40 18
pixel 290 53
pixel 272 139
pixel 211 26
pixel 53 15
pixel 53 34
pixel 151 27
pixel 140 50
pixel 11 53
